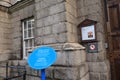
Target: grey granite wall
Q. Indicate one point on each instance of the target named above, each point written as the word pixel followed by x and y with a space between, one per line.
pixel 98 63
pixel 5 34
pixel 56 26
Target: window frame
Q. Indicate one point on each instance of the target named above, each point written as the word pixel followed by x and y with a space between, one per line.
pixel 30 45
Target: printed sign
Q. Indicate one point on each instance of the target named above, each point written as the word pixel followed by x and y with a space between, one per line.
pixel 42 58
pixel 88 33
pixel 92 47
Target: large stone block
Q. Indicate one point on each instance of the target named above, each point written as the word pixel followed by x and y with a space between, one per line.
pixel 66 73
pixel 16 43
pixel 86 77
pixel 62 58
pixel 4 14
pixel 72 3
pixel 44 3
pixel 39 40
pixel 71 37
pixel 49 39
pixel 104 76
pixel 47 30
pixel 84 70
pixel 100 26
pixel 80 4
pixel 101 46
pixel 57 8
pixel 70 9
pixel 61 38
pixel 70 27
pixel 92 2
pixel 93 8
pixel 59 27
pixel 70 58
pixel 37 6
pixel 37 1
pixel 95 57
pixel 16 19
pixel 49 72
pixel 71 18
pixel 101 67
pixel 18 28
pixel 53 19
pixel 4 20
pixel 15 14
pixel 5 55
pixel 40 23
pixel 42 13
pixel 76 58
pixel 28 77
pixel 31 10
pixel 16 34
pixel 94 76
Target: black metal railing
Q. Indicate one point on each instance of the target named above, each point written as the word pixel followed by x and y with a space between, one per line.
pixel 12 72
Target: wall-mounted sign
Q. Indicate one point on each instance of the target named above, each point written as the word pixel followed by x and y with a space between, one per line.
pixel 42 58
pixel 92 47
pixel 87 30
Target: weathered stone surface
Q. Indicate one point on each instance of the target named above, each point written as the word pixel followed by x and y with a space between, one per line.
pixel 94 57
pixel 50 20
pixel 61 38
pixel 72 3
pixel 76 58
pixel 94 76
pixel 43 13
pixel 70 9
pixel 80 4
pixel 92 2
pixel 71 37
pixel 70 58
pixel 57 8
pixel 86 77
pixel 56 23
pixel 32 78
pixel 49 39
pixel 71 19
pixel 5 55
pixel 65 73
pixel 104 76
pixel 44 3
pixel 40 23
pixel 39 41
pixel 59 27
pixel 84 70
pixel 49 72
pixel 47 30
pixel 98 67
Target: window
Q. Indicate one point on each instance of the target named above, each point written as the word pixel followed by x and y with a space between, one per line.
pixel 28 36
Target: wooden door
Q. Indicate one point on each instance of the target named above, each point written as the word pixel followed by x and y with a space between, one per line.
pixel 113 35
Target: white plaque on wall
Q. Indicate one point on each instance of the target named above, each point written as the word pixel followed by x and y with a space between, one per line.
pixel 88 32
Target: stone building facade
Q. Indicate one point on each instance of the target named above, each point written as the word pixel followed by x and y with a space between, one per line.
pixel 56 23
